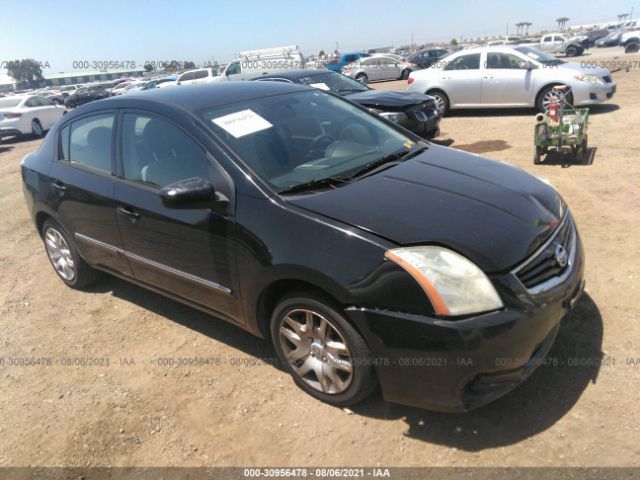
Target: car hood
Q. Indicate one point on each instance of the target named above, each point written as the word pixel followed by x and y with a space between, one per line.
pixel 388 99
pixel 493 213
pixel 577 67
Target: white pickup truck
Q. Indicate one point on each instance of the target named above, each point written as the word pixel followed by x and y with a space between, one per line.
pixel 559 43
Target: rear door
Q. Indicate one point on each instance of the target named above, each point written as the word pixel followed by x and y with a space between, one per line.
pixel 389 69
pixel 185 252
pixel 461 80
pixel 82 189
pixel 504 80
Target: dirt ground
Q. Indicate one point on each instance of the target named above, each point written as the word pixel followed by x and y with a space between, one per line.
pixel 131 406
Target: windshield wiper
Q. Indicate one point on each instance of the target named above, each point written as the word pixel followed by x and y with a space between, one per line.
pixel 386 161
pixel 340 90
pixel 313 185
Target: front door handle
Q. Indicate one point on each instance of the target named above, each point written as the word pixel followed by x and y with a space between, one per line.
pixel 129 212
pixel 58 185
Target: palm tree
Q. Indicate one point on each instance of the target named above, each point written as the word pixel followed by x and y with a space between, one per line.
pixel 562 21
pixel 526 28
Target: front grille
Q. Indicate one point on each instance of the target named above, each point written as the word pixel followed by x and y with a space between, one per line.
pixel 545 265
pixel 607 79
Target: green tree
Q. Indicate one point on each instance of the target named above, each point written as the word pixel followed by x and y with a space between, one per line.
pixel 321 54
pixel 454 42
pixel 26 72
pixel 148 67
pixel 188 65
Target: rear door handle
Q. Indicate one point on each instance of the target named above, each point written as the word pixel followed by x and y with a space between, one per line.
pixel 129 212
pixel 58 185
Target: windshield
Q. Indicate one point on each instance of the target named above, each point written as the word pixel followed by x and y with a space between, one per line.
pixel 333 81
pixel 9 102
pixel 539 56
pixel 303 137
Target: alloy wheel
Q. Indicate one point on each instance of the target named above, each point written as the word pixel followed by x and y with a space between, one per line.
pixel 36 128
pixel 316 351
pixel 59 254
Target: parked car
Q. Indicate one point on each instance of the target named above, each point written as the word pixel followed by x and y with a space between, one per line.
pixel 198 75
pixel 158 81
pixel 305 219
pixel 631 36
pixel 53 95
pixel 343 60
pixel 67 90
pixel 86 94
pixel 28 115
pixel 134 87
pixel 415 111
pixel 119 88
pixel 560 43
pixel 610 40
pixel 499 77
pixel 262 62
pixel 427 57
pixel 373 69
pixel 590 38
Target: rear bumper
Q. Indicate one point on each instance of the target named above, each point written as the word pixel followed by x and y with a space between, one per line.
pixel 459 365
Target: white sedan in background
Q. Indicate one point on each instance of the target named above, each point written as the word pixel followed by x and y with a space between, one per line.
pixel 502 77
pixel 28 115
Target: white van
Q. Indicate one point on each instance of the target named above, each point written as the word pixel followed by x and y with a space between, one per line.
pixel 198 75
pixel 254 63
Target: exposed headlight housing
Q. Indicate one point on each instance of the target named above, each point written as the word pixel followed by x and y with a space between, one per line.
pixel 455 285
pixel 594 79
pixel 392 116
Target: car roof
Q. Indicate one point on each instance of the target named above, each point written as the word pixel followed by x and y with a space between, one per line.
pixel 493 48
pixel 195 97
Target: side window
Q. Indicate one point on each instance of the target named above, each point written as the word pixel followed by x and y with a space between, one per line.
pixel 188 76
pixel 233 68
pixel 465 62
pixel 32 102
pixel 499 60
pixel 546 39
pixel 157 153
pixel 200 74
pixel 90 142
pixel 45 102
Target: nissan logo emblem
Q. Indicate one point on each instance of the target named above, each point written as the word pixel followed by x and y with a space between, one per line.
pixel 561 256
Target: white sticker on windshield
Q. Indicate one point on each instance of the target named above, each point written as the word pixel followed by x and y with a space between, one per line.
pixel 319 86
pixel 242 123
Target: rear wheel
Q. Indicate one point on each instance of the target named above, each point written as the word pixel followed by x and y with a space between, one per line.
pixel 324 354
pixel 36 128
pixel 441 99
pixel 64 258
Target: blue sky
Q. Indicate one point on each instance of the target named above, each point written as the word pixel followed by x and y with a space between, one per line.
pixel 61 31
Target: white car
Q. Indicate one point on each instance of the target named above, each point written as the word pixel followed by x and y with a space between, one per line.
pixel 133 87
pixel 28 114
pixel 119 89
pixel 378 68
pixel 501 77
pixel 199 75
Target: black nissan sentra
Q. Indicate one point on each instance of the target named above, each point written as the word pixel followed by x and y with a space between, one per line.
pixel 368 256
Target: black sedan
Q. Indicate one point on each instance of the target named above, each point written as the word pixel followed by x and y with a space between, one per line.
pixel 367 255
pixel 427 57
pixel 415 111
pixel 86 94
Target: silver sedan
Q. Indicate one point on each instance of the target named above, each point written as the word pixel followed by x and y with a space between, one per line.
pixel 500 77
pixel 378 68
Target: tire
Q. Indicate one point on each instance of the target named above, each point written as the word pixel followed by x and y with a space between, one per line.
pixel 537 155
pixel 36 128
pixel 633 47
pixel 69 266
pixel 540 99
pixel 362 78
pixel 405 74
pixel 442 101
pixel 571 51
pixel 291 318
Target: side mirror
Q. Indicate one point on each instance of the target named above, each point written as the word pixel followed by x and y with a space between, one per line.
pixel 528 65
pixel 190 193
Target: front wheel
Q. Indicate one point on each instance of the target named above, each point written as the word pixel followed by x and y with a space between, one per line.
pixel 324 354
pixel 572 52
pixel 405 74
pixel 546 96
pixel 362 78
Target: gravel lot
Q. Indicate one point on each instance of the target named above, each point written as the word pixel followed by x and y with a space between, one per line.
pixel 129 408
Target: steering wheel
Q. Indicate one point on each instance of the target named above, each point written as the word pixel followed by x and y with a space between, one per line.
pixel 318 146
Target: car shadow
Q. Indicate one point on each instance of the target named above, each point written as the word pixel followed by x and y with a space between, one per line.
pixel 5 149
pixel 191 318
pixel 549 394
pixel 524 111
pixel 546 397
